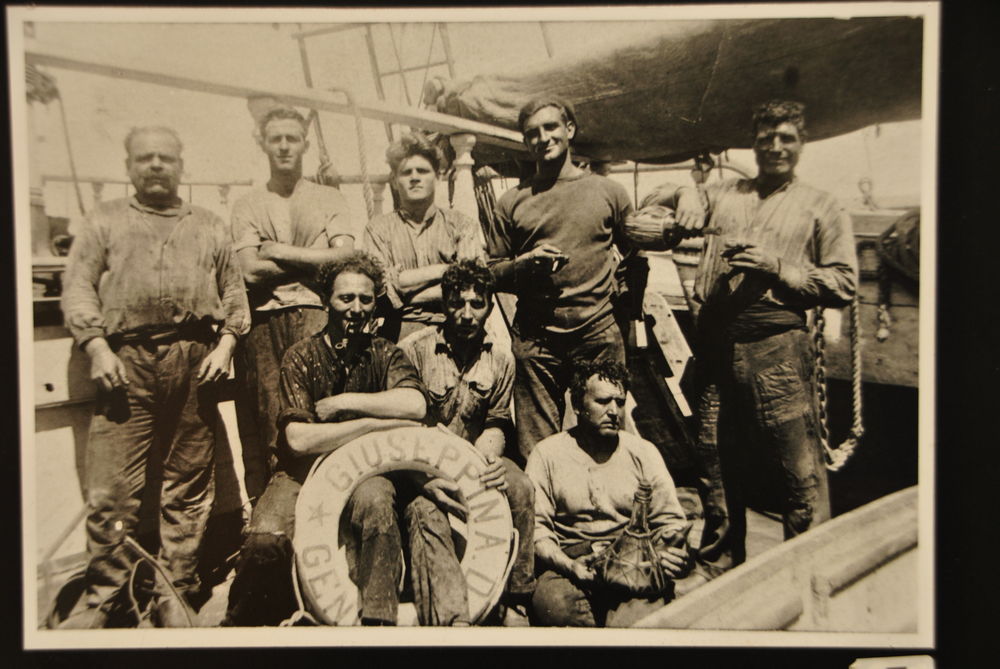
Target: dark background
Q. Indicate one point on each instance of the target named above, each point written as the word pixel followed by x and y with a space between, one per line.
pixel 967 477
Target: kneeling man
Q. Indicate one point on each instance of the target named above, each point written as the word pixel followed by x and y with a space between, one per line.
pixel 585 483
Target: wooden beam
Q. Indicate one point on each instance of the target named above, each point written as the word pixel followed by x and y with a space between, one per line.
pixel 78 61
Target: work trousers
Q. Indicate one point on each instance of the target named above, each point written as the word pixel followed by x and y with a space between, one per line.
pixel 258 369
pixel 262 591
pixel 544 369
pixel 560 602
pixel 163 413
pixel 521 498
pixel 758 400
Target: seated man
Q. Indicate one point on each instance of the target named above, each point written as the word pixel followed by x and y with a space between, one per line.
pixel 585 482
pixel 336 386
pixel 469 383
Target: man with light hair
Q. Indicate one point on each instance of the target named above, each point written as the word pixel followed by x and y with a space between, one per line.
pixel 153 295
pixel 282 233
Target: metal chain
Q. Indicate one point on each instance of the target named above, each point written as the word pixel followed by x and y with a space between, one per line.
pixel 837 457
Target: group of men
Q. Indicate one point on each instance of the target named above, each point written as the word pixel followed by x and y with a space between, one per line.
pixel 337 342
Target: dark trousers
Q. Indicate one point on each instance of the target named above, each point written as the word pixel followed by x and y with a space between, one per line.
pixel 258 367
pixel 544 367
pixel 758 403
pixel 162 414
pixel 521 498
pixel 262 591
pixel 559 602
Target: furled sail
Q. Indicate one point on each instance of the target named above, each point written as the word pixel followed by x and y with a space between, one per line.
pixel 693 87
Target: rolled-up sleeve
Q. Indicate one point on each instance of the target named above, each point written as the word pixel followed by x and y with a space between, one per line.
pixel 81 303
pixel 498 413
pixel 297 403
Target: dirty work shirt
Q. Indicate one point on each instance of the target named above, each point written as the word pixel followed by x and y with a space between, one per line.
pixel 806 228
pixel 467 401
pixel 132 268
pixel 314 216
pixel 443 236
pixel 577 499
pixel 582 216
pixel 313 369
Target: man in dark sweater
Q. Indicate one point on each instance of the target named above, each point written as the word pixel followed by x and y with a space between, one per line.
pixel 553 243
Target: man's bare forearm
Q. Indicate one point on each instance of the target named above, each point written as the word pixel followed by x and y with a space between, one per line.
pixel 317 438
pixel 417 280
pixel 307 259
pixel 548 551
pixel 406 403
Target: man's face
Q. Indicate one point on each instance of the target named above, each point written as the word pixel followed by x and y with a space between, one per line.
pixel 415 180
pixel 154 165
pixel 777 148
pixel 466 312
pixel 602 407
pixel 547 135
pixel 351 303
pixel 284 142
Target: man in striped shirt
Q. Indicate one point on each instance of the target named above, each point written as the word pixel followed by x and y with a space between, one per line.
pixel 784 247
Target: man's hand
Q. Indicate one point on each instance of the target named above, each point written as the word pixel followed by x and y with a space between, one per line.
pixel 270 250
pixel 544 258
pixel 495 475
pixel 445 494
pixel 335 409
pixel 751 256
pixel 581 572
pixel 674 561
pixel 690 212
pixel 215 366
pixel 106 369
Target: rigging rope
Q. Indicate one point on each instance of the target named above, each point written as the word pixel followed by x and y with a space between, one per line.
pixel 837 457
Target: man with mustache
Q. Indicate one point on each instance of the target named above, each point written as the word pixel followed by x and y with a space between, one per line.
pixel 337 385
pixel 785 247
pixel 153 294
pixel 585 483
pixel 469 381
pixel 556 242
pixel 417 240
pixel 282 233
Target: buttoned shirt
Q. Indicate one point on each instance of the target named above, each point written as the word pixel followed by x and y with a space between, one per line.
pixel 465 400
pixel 401 243
pixel 313 216
pixel 313 369
pixel 133 268
pixel 806 228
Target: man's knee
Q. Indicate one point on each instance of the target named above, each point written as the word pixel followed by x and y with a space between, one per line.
pixel 373 505
pixel 558 603
pixel 260 548
pixel 520 489
pixel 422 514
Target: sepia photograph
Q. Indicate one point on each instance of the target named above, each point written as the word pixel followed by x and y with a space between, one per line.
pixel 617 318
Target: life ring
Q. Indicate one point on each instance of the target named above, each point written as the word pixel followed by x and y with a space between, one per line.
pixel 322 562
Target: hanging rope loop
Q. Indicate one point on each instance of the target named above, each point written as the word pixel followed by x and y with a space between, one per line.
pixel 837 457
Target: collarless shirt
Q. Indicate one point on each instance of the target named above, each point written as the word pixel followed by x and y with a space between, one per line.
pixel 466 401
pixel 806 228
pixel 443 236
pixel 578 499
pixel 313 216
pixel 583 216
pixel 133 268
